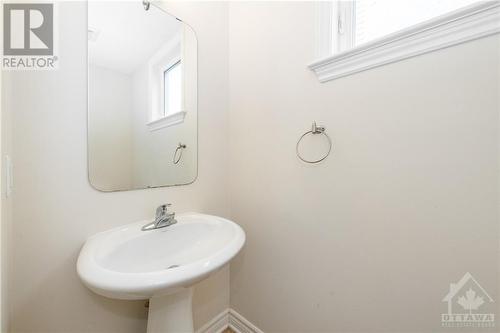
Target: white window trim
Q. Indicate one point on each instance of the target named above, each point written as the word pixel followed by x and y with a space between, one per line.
pixel 165 67
pixel 168 120
pixel 472 22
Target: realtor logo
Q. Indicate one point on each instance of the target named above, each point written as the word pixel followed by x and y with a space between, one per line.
pixel 28 36
pixel 467 301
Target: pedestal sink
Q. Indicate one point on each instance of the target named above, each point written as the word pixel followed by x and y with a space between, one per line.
pixel 161 265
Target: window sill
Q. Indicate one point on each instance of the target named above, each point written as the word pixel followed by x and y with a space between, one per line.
pixel 458 27
pixel 170 120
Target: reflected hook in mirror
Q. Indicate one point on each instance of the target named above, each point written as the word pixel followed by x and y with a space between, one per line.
pixel 180 148
pixel 146 4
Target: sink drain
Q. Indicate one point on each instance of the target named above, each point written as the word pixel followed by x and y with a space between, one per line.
pixel 172 266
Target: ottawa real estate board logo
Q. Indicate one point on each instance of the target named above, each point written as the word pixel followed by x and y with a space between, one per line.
pixel 28 36
pixel 469 305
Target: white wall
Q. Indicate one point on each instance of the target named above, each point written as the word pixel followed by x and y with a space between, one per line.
pixel 55 209
pixel 369 240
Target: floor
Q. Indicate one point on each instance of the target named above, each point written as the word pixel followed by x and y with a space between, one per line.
pixel 228 330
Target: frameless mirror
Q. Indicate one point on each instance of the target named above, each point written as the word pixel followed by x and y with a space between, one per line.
pixel 142 97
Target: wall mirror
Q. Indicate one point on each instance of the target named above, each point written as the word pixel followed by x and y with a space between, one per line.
pixel 142 97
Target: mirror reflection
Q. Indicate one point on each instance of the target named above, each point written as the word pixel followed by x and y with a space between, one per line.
pixel 142 97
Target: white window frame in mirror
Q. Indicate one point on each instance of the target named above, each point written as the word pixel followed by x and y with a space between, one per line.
pixel 164 59
pixel 167 88
pixel 337 58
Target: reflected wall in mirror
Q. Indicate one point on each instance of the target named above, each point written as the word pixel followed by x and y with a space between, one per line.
pixel 142 97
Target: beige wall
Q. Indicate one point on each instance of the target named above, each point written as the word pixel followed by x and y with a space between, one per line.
pixel 6 216
pixel 369 240
pixel 3 217
pixel 55 209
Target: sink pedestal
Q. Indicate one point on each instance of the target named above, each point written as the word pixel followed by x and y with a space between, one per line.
pixel 171 313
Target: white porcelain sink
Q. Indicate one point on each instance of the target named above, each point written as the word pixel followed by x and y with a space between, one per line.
pixel 161 264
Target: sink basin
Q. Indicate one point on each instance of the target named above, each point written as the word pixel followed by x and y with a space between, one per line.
pixel 161 264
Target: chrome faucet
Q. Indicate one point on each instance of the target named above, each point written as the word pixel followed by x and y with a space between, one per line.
pixel 162 219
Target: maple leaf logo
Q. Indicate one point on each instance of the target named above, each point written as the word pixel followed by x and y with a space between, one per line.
pixel 470 301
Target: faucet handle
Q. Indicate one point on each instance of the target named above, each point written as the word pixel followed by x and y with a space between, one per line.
pixel 161 210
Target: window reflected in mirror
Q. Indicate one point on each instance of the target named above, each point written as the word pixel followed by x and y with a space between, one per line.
pixel 172 80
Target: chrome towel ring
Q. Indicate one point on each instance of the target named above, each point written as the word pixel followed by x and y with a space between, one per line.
pixel 177 157
pixel 314 130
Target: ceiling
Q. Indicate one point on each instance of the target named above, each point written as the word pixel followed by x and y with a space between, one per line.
pixel 125 35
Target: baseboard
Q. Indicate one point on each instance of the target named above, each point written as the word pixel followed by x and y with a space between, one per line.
pixel 240 324
pixel 217 325
pixel 229 319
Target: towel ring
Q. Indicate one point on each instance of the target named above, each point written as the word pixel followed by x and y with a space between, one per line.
pixel 314 130
pixel 180 148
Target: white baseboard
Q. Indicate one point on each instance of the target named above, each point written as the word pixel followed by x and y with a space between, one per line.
pixel 233 320
pixel 218 324
pixel 240 324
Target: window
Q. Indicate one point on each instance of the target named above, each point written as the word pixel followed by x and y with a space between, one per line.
pixel 377 18
pixel 166 86
pixel 358 35
pixel 172 81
